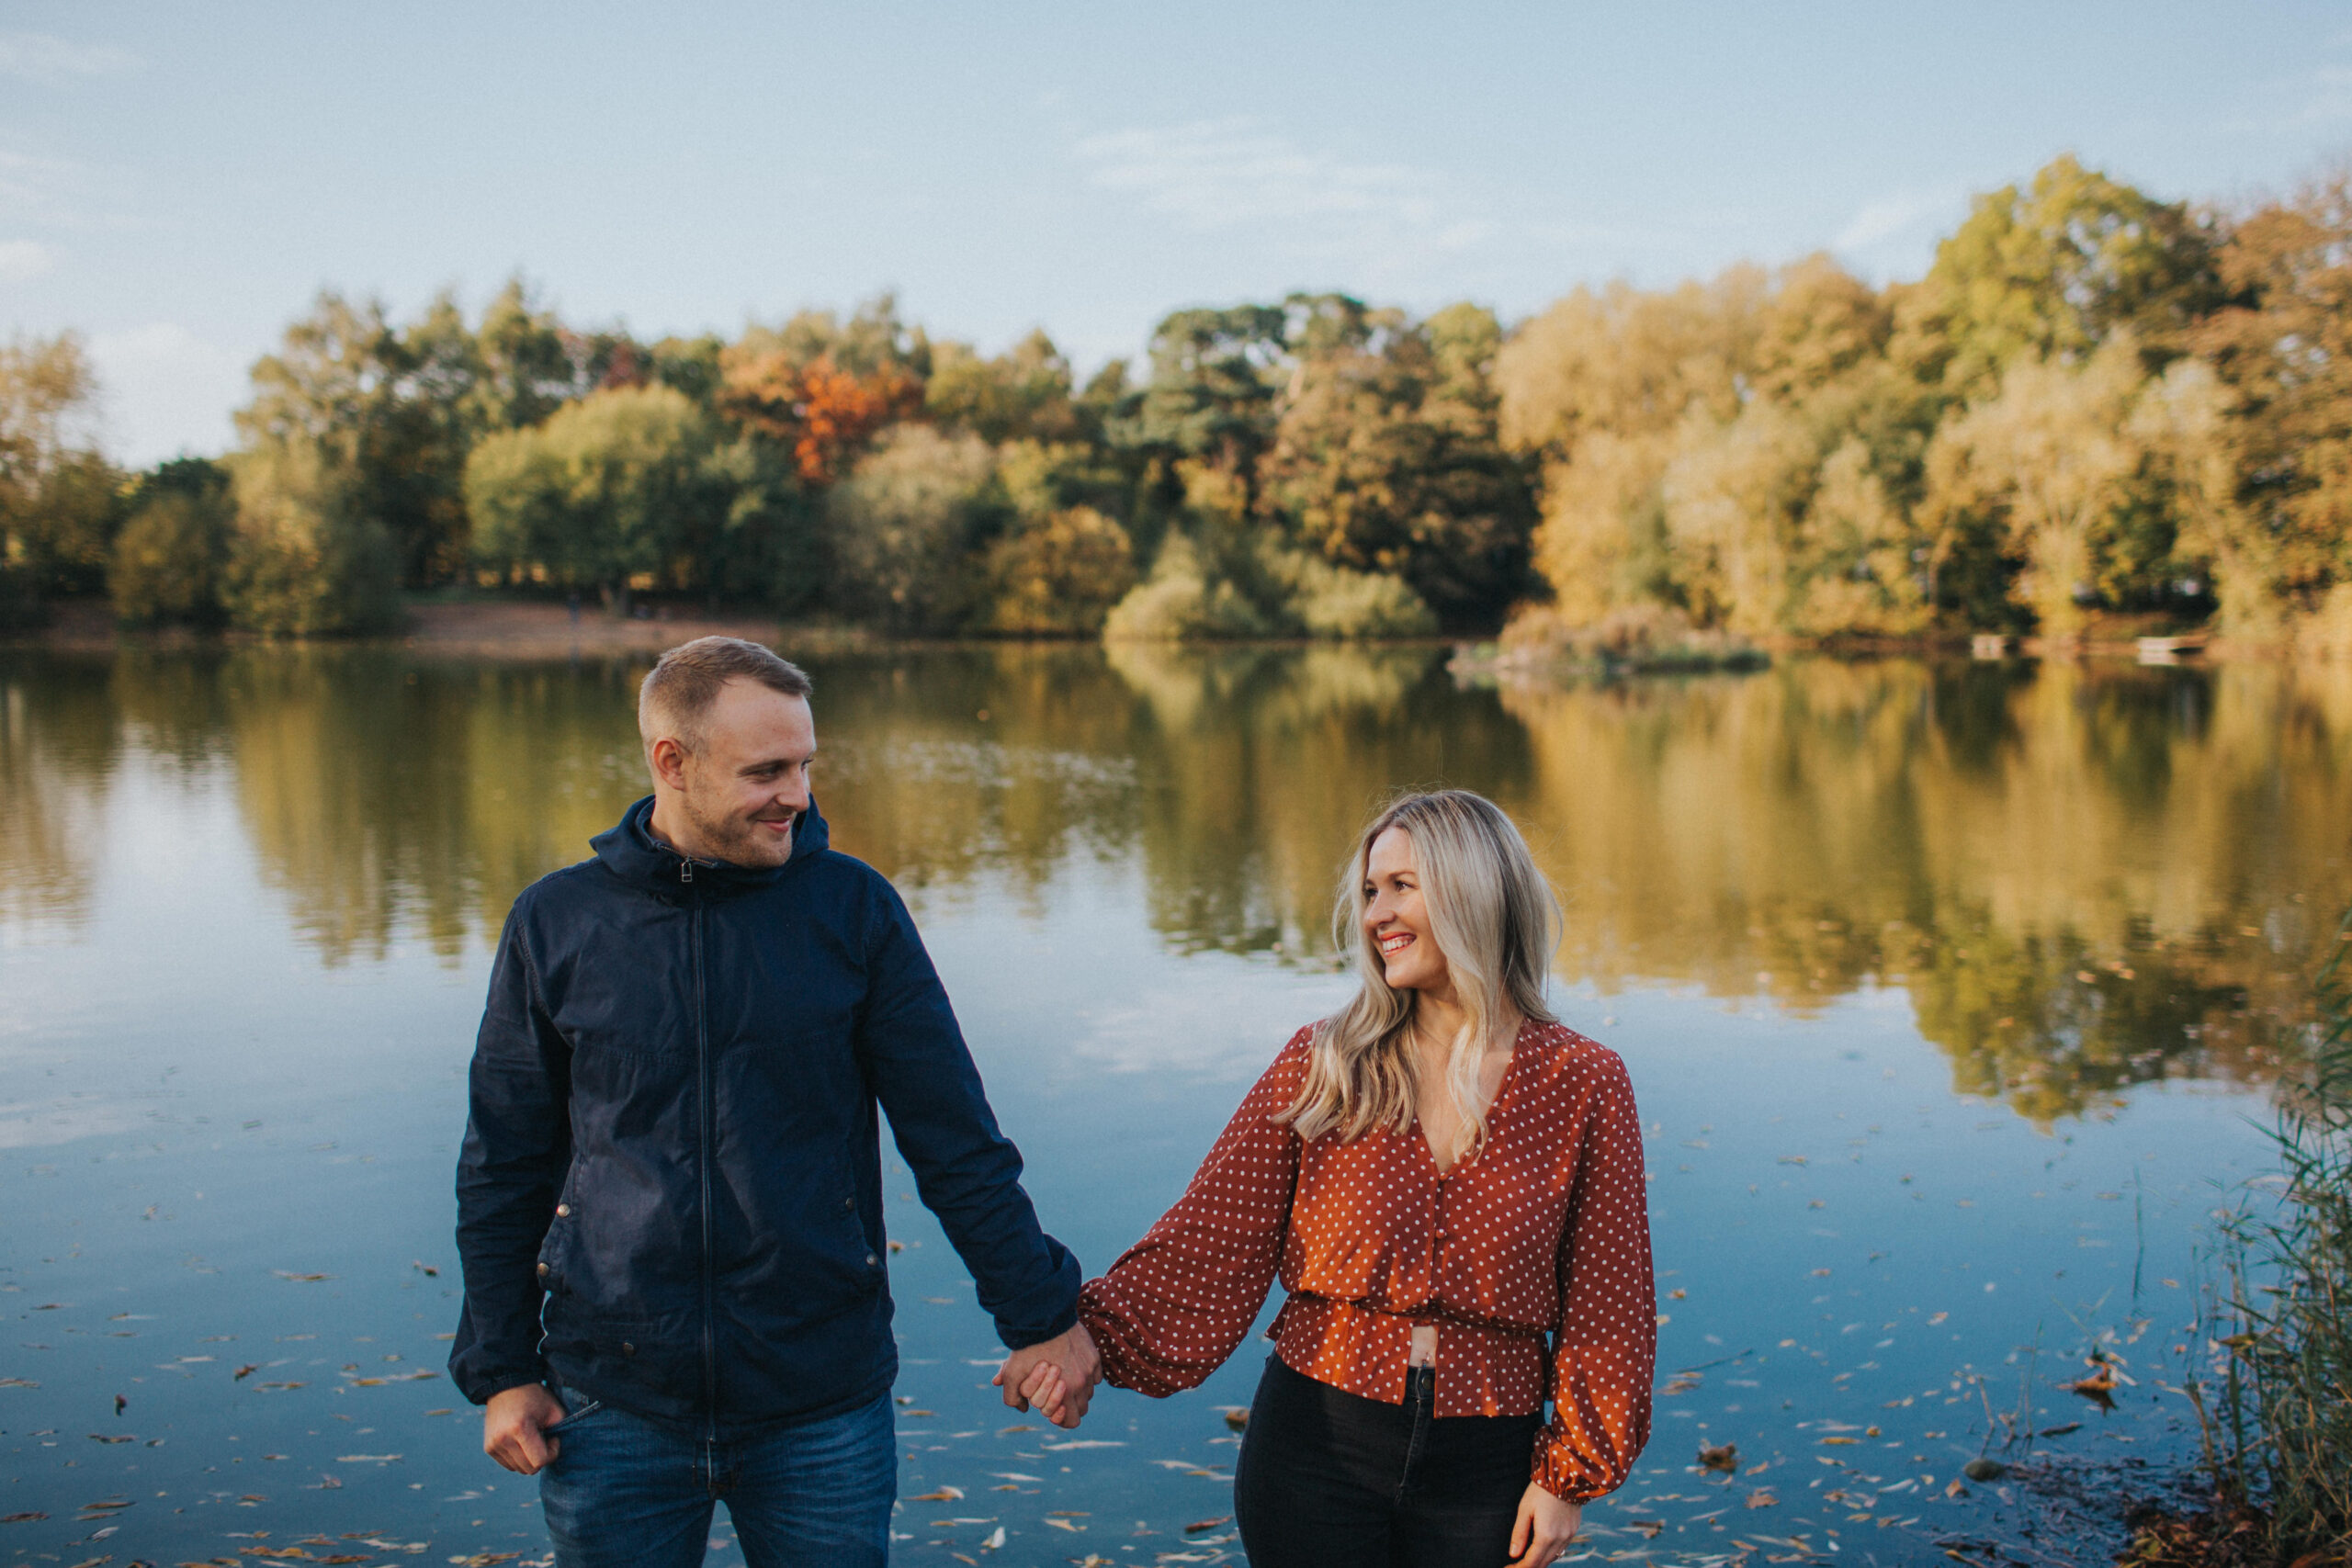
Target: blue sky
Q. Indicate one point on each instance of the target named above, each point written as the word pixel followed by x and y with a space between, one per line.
pixel 177 182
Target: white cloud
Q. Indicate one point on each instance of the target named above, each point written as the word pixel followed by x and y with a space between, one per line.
pixel 1896 235
pixel 2329 96
pixel 1385 226
pixel 167 391
pixel 43 57
pixel 21 261
pixel 1217 174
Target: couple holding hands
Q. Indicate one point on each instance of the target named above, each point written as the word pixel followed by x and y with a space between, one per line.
pixel 669 1206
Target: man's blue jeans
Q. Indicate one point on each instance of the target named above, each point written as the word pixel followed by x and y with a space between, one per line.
pixel 624 1493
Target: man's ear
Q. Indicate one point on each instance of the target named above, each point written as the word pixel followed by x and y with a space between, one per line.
pixel 668 760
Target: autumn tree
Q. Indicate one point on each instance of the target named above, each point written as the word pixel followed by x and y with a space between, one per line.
pixel 2053 452
pixel 2281 350
pixel 169 563
pixel 58 504
pixel 1023 394
pixel 2051 271
pixel 620 486
pixel 909 527
pixel 1384 455
pixel 824 387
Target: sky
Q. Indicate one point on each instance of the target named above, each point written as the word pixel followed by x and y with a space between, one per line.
pixel 178 182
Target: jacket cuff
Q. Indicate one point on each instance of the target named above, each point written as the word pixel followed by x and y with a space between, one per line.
pixel 480 1387
pixel 1029 1334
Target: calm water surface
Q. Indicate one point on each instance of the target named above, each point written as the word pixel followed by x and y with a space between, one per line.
pixel 1949 992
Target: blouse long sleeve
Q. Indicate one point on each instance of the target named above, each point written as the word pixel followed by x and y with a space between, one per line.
pixel 1604 1350
pixel 1177 1303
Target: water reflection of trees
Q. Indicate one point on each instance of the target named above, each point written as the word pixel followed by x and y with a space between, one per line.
pixel 59 736
pixel 2082 877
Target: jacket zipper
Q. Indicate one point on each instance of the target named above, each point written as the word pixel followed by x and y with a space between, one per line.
pixel 708 1150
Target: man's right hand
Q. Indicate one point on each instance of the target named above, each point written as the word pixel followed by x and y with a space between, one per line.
pixel 514 1428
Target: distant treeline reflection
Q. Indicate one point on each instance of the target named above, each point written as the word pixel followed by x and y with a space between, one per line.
pixel 2082 877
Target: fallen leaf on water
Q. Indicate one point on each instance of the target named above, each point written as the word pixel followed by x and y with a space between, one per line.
pixel 1012 1475
pixel 242 1373
pixel 1958 1488
pixel 103 1437
pixel 20 1519
pixel 1649 1528
pixel 1081 1443
pixel 945 1494
pixel 2098 1388
pixel 2060 1430
pixel 425 1269
pixel 18 1383
pixel 1064 1525
pixel 365 1458
pixel 1237 1419
pixel 1835 1440
pixel 1938 1318
pixel 1762 1500
pixel 303 1278
pixel 1724 1459
pixel 995 1540
pixel 120 1405
pixel 1197 1525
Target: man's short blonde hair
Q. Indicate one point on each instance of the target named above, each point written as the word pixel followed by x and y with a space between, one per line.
pixel 677 693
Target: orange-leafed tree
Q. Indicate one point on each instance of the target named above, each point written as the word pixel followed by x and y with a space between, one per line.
pixel 827 415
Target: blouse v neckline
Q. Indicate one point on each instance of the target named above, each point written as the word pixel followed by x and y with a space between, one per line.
pixel 1502 1091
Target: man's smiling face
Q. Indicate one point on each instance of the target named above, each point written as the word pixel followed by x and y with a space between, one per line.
pixel 747 782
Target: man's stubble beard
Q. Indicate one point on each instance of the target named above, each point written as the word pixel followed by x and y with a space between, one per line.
pixel 735 840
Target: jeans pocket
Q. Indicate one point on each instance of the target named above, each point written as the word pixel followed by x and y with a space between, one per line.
pixel 578 1414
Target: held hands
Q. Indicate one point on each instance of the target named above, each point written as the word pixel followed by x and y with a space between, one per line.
pixel 1057 1376
pixel 514 1428
pixel 1544 1527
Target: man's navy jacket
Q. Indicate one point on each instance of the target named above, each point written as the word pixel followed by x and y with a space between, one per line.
pixel 672 1152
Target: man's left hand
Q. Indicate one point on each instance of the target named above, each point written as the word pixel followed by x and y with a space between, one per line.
pixel 1071 1357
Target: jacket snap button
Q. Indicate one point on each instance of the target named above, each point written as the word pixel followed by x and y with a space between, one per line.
pixel 543 1270
pixel 849 1202
pixel 563 1211
pixel 628 1348
pixel 871 1261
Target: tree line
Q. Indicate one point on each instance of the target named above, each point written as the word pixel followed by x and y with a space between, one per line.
pixel 2096 408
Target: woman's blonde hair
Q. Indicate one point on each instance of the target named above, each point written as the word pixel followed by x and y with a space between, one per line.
pixel 1496 920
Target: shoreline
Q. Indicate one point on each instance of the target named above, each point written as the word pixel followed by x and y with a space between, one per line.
pixel 525 630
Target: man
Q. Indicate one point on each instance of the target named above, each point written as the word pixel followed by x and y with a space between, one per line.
pixel 670 1198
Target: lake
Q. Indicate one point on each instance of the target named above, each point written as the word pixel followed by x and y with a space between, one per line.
pixel 1950 992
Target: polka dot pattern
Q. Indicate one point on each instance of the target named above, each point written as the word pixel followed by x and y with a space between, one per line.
pixel 1532 1256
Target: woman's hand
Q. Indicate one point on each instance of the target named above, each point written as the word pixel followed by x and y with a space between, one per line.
pixel 1057 1377
pixel 1545 1527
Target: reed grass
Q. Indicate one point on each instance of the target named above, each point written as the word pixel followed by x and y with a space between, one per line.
pixel 2276 1404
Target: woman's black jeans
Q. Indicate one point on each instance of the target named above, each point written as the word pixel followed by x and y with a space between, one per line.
pixel 1331 1478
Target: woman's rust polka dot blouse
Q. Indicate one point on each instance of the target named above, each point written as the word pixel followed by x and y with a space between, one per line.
pixel 1532 1256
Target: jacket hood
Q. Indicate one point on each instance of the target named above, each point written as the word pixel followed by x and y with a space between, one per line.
pixel 629 850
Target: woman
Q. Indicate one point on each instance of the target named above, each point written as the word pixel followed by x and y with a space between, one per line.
pixel 1448 1182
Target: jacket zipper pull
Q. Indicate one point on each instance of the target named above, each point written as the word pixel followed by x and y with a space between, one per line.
pixel 686 869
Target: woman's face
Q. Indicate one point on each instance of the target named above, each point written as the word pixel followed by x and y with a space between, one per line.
pixel 1396 920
